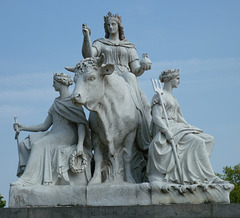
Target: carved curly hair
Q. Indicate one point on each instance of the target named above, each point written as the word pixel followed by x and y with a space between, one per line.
pixel 168 75
pixel 63 79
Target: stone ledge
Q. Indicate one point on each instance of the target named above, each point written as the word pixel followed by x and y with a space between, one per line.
pixel 111 194
pixel 154 211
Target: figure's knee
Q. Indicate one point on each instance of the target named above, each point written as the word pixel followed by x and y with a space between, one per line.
pixel 130 78
pixel 197 141
pixel 209 143
pixel 37 145
pixel 211 139
pixel 21 146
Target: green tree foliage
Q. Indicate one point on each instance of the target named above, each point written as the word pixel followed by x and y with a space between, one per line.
pixel 2 202
pixel 232 174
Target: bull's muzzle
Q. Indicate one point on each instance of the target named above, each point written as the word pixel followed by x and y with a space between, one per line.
pixel 76 97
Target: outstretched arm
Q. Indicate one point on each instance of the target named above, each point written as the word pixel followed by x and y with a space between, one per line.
pixel 87 49
pixel 35 128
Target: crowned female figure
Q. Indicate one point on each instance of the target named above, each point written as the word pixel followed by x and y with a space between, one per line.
pixel 123 55
pixel 44 156
pixel 193 147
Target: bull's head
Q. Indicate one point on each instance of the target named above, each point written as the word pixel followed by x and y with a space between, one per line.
pixel 89 81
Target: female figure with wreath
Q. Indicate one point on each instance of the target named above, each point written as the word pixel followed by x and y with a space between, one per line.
pixel 44 156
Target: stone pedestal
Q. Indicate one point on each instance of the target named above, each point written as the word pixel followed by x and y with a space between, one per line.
pixel 111 194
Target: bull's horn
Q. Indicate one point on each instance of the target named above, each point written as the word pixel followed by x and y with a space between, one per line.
pixel 71 69
pixel 100 60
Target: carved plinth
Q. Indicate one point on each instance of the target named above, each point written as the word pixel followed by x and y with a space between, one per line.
pixel 112 194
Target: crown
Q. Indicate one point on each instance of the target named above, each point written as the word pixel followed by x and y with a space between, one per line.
pixel 110 15
pixel 55 75
pixel 170 71
pixel 167 75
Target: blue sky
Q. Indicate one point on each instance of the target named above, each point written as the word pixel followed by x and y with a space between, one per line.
pixel 201 38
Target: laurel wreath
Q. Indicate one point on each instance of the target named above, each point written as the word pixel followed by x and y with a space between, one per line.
pixel 77 163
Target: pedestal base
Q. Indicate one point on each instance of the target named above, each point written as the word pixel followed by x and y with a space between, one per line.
pixel 153 211
pixel 111 194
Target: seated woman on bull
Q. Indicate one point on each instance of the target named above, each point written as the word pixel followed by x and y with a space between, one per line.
pixel 191 164
pixel 44 156
pixel 123 55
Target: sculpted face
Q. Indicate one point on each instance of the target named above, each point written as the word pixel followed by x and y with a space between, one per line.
pixel 175 82
pixel 112 26
pixel 56 85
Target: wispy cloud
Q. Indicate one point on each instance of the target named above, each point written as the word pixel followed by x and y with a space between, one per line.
pixel 192 66
pixel 198 76
pixel 197 70
pixel 26 95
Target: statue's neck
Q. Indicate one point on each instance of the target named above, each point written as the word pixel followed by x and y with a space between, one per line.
pixel 114 37
pixel 168 87
pixel 64 92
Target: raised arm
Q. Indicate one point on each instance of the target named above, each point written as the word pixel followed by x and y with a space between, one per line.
pixel 87 49
pixel 35 128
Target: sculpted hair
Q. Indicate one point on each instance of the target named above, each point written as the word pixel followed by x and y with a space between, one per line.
pixel 63 79
pixel 88 63
pixel 118 19
pixel 168 75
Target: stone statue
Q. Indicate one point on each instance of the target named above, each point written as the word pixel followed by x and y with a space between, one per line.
pixel 115 122
pixel 138 159
pixel 123 56
pixel 44 157
pixel 171 133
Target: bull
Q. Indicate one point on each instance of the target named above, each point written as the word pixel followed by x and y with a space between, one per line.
pixel 113 118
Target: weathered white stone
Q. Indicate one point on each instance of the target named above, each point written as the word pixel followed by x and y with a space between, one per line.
pixel 113 194
pixel 56 164
pixel 47 157
pixel 62 195
pixel 121 118
pixel 184 194
pixel 179 153
pixel 115 121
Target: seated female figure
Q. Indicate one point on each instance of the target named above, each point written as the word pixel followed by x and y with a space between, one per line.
pixel 193 147
pixel 44 156
pixel 123 55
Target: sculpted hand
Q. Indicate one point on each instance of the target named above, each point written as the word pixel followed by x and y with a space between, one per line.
pixel 145 67
pixel 80 149
pixel 145 63
pixel 86 30
pixel 169 136
pixel 18 127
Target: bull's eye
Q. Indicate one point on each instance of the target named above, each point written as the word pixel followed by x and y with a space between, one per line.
pixel 91 78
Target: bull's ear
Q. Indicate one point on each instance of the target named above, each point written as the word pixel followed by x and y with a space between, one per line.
pixel 108 69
